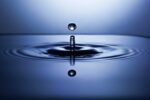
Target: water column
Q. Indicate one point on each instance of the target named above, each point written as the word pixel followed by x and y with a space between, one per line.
pixel 72 27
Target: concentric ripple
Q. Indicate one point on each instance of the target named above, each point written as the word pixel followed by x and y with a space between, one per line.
pixel 63 51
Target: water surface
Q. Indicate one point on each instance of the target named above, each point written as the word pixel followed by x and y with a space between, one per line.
pixel 30 70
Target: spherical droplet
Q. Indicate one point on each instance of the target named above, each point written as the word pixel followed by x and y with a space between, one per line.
pixel 72 73
pixel 72 26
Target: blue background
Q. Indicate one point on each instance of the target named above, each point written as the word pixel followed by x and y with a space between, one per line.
pixel 130 17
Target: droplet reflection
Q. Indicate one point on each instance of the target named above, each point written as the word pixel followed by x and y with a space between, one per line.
pixel 72 73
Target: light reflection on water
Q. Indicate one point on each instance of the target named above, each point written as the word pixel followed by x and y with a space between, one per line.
pixel 97 78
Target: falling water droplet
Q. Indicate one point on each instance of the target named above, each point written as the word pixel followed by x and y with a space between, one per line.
pixel 72 73
pixel 72 26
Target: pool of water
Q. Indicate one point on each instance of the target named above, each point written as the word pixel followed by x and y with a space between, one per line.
pixel 100 66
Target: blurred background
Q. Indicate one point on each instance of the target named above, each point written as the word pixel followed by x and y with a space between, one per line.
pixel 130 17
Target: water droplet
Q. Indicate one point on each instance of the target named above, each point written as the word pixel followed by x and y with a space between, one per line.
pixel 72 43
pixel 71 73
pixel 72 26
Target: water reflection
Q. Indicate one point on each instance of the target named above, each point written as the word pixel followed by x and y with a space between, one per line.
pixel 30 69
pixel 72 73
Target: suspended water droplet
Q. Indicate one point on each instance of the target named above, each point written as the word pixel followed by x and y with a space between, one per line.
pixel 72 26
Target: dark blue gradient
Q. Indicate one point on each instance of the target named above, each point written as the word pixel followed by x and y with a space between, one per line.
pixel 118 23
pixel 117 79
